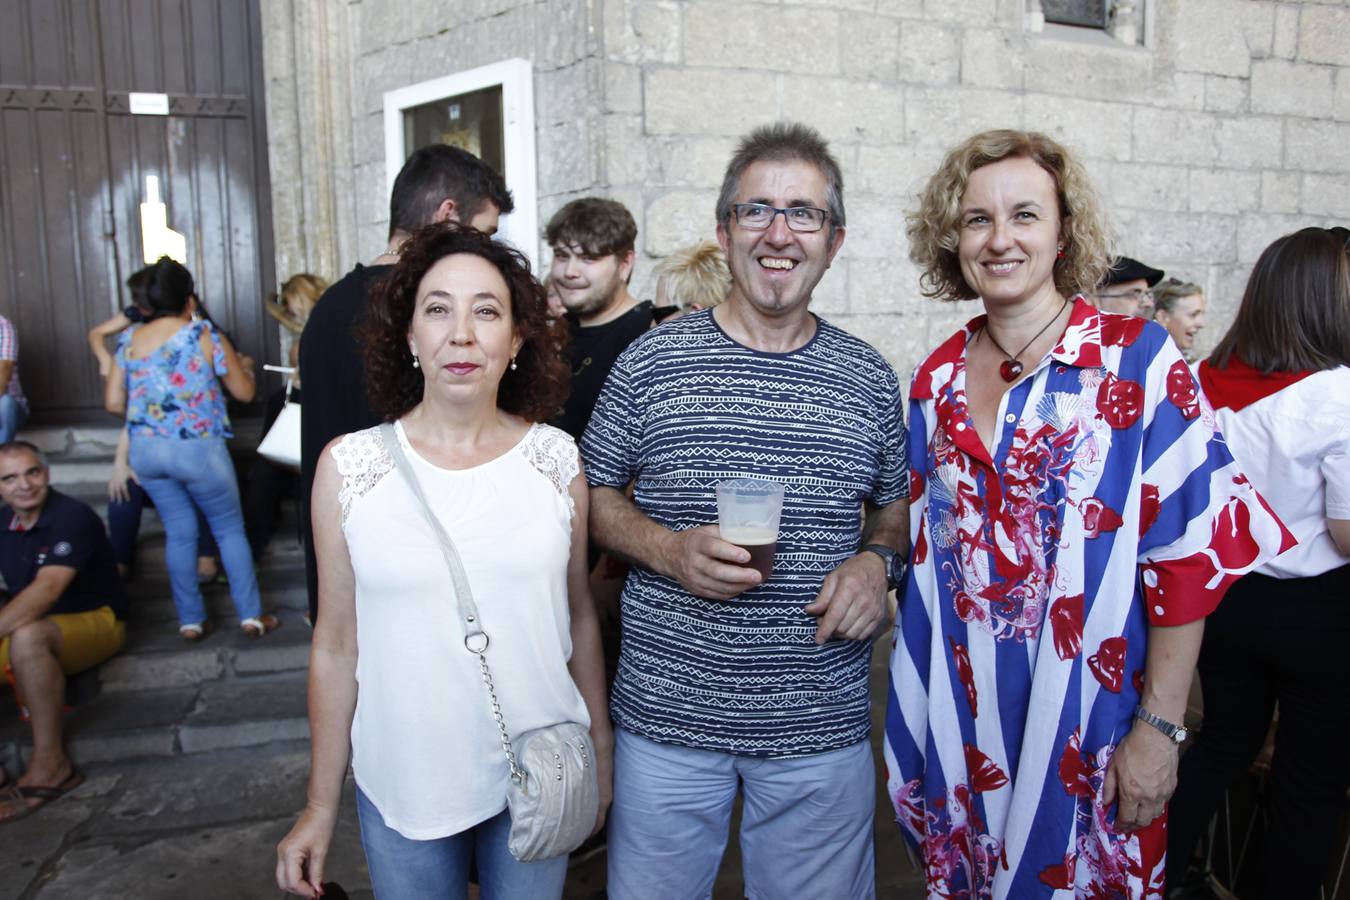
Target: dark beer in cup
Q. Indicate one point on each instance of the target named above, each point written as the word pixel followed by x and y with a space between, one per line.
pixel 761 545
pixel 748 511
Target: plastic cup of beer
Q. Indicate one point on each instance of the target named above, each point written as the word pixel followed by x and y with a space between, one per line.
pixel 748 510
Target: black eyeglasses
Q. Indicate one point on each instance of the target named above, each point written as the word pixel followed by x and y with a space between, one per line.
pixel 759 216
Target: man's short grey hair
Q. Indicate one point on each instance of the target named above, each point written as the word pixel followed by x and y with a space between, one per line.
pixel 782 142
pixel 24 446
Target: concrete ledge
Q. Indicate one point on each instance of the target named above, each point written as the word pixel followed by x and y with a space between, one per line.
pixel 206 738
pixel 161 670
pixel 273 658
pixel 118 747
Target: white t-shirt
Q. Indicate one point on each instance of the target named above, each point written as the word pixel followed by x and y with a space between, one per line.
pixel 425 747
pixel 1294 445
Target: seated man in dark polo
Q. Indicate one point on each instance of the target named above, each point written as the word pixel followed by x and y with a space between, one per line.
pixel 63 613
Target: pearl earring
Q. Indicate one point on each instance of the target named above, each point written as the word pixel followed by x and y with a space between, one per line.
pixel 513 364
pixel 417 364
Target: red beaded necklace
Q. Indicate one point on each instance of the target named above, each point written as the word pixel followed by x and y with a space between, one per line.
pixel 1012 367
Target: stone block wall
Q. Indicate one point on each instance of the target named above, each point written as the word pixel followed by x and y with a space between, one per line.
pixel 1229 127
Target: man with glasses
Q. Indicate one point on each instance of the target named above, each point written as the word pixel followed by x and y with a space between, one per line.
pixel 1127 288
pixel 729 682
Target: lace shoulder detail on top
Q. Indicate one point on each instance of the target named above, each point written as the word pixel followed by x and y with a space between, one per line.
pixel 362 461
pixel 554 454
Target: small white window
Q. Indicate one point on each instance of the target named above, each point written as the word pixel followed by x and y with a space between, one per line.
pixel 488 111
pixel 1121 19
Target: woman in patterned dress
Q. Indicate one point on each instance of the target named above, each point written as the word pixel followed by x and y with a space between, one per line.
pixel 459 357
pixel 1073 521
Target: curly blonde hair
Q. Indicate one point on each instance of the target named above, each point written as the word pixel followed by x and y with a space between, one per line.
pixel 934 229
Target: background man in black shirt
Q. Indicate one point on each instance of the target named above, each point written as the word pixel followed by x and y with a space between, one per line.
pixel 436 184
pixel 63 614
pixel 593 251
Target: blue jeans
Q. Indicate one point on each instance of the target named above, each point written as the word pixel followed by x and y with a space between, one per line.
pixel 806 822
pixel 124 524
pixel 12 416
pixel 405 869
pixel 178 474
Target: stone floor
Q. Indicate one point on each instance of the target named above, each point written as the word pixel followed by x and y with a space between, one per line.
pixel 205 825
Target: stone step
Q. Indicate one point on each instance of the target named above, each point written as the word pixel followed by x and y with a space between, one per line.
pixel 74 440
pixel 95 494
pixel 156 656
pixel 283 553
pixel 174 721
pixel 155 608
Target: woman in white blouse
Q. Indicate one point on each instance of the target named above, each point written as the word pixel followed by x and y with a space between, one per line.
pixel 1279 384
pixel 459 355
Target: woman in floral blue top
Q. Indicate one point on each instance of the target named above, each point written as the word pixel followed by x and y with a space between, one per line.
pixel 168 376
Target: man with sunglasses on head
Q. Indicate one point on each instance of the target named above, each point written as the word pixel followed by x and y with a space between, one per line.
pixel 729 682
pixel 1127 288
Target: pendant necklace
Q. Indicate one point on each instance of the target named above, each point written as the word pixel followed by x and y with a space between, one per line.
pixel 1012 367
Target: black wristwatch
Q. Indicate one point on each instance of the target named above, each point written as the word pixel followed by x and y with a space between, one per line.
pixel 895 564
pixel 1177 733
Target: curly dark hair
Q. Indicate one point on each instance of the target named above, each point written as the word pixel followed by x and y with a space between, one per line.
pixel 535 390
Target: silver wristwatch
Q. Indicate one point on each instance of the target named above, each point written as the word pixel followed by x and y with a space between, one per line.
pixel 1177 733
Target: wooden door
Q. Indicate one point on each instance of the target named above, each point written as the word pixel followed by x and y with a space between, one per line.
pixel 73 161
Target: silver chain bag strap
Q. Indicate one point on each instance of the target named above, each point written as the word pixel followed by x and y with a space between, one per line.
pixel 553 794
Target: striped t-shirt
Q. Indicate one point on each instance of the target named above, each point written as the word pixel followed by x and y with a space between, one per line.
pixel 685 407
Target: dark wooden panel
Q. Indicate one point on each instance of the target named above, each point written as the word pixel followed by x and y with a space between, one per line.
pixel 145 70
pixel 200 175
pixel 48 36
pixel 82 59
pixel 172 46
pixel 247 284
pixel 26 304
pixel 235 39
pixel 14 42
pixel 22 212
pixel 100 285
pixel 208 50
pixel 115 45
pixel 40 334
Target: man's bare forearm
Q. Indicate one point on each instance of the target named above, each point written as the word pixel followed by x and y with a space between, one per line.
pixel 888 525
pixel 33 602
pixel 627 532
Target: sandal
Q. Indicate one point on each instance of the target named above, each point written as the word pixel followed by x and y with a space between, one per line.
pixel 257 626
pixel 21 799
pixel 194 633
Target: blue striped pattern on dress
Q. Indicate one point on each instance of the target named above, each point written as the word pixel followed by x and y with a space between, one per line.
pixel 685 407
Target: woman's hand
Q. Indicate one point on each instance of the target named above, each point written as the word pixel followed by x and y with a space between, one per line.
pixel 118 491
pixel 1141 776
pixel 302 853
pixel 604 775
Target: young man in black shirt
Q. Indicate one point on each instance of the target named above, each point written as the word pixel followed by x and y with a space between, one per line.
pixel 437 184
pixel 63 614
pixel 593 252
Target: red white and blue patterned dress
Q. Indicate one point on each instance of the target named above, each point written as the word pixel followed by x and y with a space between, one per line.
pixel 1109 504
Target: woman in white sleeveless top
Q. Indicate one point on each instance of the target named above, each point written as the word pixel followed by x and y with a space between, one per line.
pixel 459 356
